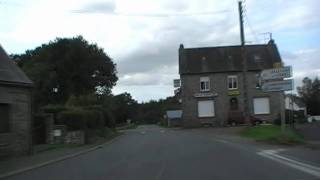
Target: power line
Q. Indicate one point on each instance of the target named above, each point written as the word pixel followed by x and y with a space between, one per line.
pixel 156 14
pixel 248 22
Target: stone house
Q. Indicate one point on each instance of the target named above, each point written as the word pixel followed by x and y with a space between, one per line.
pixel 15 109
pixel 211 83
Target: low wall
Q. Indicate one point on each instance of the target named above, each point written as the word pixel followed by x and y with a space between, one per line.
pixel 74 137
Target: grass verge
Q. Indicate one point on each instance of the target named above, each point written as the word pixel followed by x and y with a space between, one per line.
pixel 273 134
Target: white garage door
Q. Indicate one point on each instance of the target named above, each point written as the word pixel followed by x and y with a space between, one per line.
pixel 261 106
pixel 206 108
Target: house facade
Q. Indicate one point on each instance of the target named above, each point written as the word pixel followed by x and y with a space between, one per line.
pixel 15 109
pixel 212 83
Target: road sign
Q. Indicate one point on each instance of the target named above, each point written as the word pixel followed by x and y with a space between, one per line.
pixel 284 85
pixel 277 73
pixel 176 83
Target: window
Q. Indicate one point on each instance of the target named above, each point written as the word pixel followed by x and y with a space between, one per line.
pixel 261 105
pixel 232 82
pixel 4 118
pixel 204 84
pixel 206 108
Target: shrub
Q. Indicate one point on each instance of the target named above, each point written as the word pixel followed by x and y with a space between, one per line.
pixel 82 100
pixel 76 119
pixel 108 118
pixel 104 132
pixel 73 119
pixel 53 108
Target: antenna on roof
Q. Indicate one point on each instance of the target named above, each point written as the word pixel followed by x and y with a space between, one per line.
pixel 266 36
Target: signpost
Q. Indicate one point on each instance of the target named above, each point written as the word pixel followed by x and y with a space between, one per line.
pixel 176 83
pixel 273 80
pixel 278 73
pixel 284 85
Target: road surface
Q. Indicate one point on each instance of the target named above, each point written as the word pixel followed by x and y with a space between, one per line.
pixel 154 153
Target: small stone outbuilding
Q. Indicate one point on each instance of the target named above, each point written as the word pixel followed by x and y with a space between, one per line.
pixel 15 109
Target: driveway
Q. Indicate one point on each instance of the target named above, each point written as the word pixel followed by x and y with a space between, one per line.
pixel 153 153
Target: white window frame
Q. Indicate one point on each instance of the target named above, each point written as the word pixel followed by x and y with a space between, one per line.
pixel 208 114
pixel 233 78
pixel 206 81
pixel 259 109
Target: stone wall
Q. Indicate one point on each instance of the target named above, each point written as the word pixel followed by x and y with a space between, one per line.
pixel 190 84
pixel 74 137
pixel 18 140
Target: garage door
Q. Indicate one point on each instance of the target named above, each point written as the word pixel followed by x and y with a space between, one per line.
pixel 261 105
pixel 206 108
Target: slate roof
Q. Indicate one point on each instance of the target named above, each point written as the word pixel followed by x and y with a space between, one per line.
pixel 10 73
pixel 227 58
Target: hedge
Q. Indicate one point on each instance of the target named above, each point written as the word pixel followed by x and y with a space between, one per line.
pixel 76 119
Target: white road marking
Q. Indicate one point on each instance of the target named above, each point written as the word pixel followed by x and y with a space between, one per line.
pixel 162 131
pixel 143 132
pixel 272 154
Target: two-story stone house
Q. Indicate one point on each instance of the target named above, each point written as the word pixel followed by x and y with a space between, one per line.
pixel 212 83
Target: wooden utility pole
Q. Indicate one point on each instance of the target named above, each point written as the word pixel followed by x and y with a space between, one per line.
pixel 244 64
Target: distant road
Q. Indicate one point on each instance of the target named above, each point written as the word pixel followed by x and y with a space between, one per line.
pixel 153 153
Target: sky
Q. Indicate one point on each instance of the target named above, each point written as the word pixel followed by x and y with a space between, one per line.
pixel 143 36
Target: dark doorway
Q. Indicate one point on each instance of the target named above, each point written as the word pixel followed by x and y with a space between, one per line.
pixel 233 104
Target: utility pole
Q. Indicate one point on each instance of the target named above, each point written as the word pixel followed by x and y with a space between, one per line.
pixel 244 64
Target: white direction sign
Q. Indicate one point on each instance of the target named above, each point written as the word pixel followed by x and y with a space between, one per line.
pixel 176 83
pixel 284 85
pixel 277 73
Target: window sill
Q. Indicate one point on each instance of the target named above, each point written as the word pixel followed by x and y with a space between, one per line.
pixel 206 116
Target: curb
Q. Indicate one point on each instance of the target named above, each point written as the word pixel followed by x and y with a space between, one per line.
pixel 19 171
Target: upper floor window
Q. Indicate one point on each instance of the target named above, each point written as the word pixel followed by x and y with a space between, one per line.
pixel 232 82
pixel 204 84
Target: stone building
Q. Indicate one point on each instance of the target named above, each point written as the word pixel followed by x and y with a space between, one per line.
pixel 15 109
pixel 211 83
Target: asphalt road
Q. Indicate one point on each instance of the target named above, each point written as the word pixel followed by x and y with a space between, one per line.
pixel 153 153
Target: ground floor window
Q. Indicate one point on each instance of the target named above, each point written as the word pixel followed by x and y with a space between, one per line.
pixel 261 105
pixel 4 118
pixel 206 108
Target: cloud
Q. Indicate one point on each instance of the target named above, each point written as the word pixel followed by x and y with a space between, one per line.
pixel 305 63
pixel 107 7
pixel 143 36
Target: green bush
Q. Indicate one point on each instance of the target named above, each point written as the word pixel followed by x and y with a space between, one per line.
pixel 105 132
pixel 53 108
pixel 76 119
pixel 73 119
pixel 94 119
pixel 82 101
pixel 108 118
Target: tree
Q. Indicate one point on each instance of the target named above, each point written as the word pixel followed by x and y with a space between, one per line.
pixel 122 106
pixel 65 67
pixel 310 94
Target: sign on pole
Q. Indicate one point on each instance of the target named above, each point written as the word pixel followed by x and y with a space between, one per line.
pixel 176 83
pixel 277 73
pixel 284 85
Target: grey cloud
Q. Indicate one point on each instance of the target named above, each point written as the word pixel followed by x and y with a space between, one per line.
pixel 304 63
pixel 163 49
pixel 106 7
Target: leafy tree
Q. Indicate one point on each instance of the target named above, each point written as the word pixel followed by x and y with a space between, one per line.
pixel 65 67
pixel 152 112
pixel 310 94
